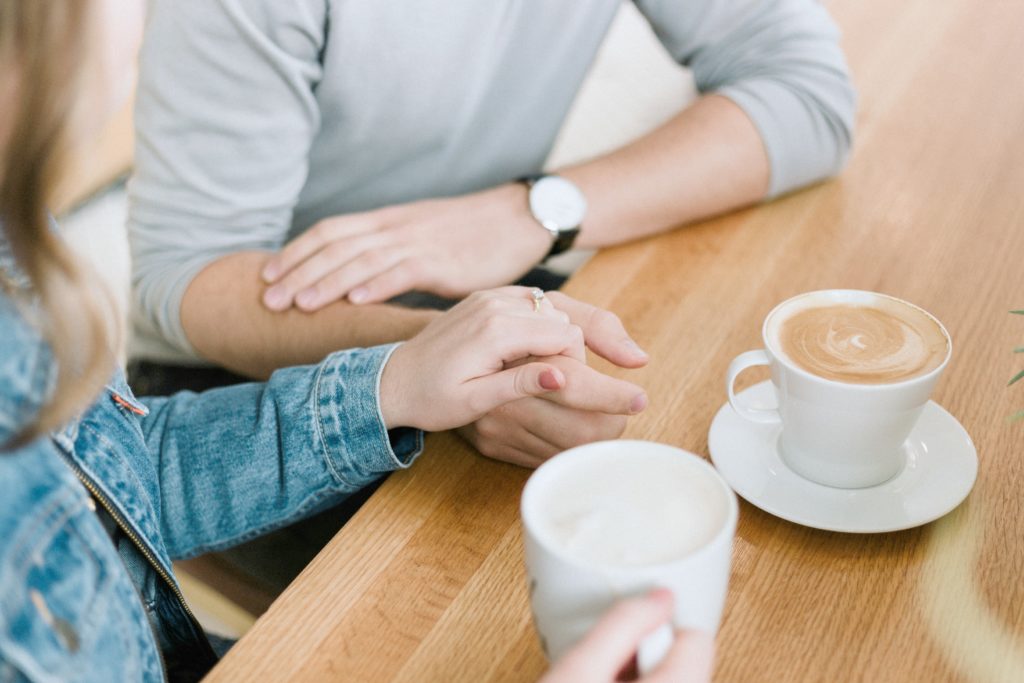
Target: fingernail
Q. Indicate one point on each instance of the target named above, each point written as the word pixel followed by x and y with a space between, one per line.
pixel 306 297
pixel 638 403
pixel 634 347
pixel 358 295
pixel 661 594
pixel 270 272
pixel 276 297
pixel 549 381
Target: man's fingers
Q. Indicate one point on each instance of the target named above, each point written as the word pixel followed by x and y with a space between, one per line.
pixel 400 279
pixel 294 253
pixel 307 274
pixel 604 332
pixel 590 390
pixel 530 424
pixel 506 451
pixel 508 424
pixel 314 239
pixel 539 428
pixel 567 428
pixel 338 284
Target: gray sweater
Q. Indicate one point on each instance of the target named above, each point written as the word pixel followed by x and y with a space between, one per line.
pixel 257 118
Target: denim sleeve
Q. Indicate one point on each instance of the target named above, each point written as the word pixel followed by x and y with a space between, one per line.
pixel 778 60
pixel 239 461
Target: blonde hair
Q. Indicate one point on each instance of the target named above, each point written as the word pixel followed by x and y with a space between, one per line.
pixel 45 44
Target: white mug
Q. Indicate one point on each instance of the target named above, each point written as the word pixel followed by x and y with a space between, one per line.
pixel 839 434
pixel 568 595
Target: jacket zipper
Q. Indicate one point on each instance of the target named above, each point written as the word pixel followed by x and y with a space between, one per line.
pixel 119 520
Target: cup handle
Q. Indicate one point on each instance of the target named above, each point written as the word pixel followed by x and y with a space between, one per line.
pixel 654 647
pixel 743 361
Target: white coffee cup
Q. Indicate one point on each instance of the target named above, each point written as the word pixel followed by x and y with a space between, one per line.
pixel 569 592
pixel 836 433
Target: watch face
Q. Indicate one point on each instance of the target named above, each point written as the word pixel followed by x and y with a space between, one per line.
pixel 557 203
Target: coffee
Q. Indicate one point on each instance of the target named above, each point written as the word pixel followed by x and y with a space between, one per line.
pixel 851 372
pixel 874 341
pixel 631 509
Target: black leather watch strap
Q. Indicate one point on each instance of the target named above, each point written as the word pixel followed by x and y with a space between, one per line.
pixel 529 180
pixel 563 243
pixel 566 238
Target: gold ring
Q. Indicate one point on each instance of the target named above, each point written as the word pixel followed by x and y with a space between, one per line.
pixel 538 296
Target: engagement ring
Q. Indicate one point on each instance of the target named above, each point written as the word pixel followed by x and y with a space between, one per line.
pixel 538 296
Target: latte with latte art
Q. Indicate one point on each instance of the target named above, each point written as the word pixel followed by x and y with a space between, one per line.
pixel 880 342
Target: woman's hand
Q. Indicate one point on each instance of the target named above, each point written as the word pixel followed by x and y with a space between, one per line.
pixel 449 247
pixel 592 407
pixel 469 361
pixel 608 652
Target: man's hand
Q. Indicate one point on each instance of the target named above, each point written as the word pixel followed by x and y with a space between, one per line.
pixel 450 247
pixel 529 431
pixel 590 407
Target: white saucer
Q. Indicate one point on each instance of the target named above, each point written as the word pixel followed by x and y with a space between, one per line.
pixel 942 465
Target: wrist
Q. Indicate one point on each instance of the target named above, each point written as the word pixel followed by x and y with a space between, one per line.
pixel 391 392
pixel 418 319
pixel 535 242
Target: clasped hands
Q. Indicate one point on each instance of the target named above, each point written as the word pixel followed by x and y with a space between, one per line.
pixel 515 378
pixel 540 396
pixel 591 406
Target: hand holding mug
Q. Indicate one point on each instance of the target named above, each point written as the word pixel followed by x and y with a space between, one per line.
pixel 607 652
pixel 614 520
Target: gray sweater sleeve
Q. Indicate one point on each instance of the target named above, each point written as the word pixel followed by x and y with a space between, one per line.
pixel 225 116
pixel 779 61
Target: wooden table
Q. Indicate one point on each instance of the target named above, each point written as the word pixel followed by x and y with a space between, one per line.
pixel 426 582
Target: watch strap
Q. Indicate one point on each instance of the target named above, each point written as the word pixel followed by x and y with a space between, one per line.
pixel 531 179
pixel 563 242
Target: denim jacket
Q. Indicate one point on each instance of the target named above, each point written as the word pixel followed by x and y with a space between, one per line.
pixel 176 477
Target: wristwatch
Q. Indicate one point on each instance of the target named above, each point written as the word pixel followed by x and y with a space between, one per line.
pixel 559 206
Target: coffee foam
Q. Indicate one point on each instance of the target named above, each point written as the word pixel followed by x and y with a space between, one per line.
pixel 631 510
pixel 868 339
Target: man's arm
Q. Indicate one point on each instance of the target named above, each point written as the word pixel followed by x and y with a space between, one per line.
pixel 225 127
pixel 226 322
pixel 706 160
pixel 776 114
pixel 643 189
pixel 225 117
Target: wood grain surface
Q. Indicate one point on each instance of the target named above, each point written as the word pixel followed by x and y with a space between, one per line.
pixel 426 582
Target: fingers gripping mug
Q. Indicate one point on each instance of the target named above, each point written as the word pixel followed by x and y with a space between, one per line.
pixel 615 519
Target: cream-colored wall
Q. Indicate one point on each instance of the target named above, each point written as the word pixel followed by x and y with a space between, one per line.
pixel 633 86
